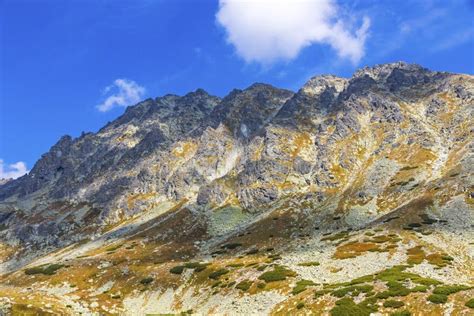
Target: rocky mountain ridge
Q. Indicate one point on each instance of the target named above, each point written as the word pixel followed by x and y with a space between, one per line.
pixel 339 153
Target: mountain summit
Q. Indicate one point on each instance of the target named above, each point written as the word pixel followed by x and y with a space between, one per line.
pixel 350 194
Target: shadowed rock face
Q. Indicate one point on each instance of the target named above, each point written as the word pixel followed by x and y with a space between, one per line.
pixel 250 149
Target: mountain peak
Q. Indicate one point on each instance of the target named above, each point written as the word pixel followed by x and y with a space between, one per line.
pixel 318 84
pixel 382 71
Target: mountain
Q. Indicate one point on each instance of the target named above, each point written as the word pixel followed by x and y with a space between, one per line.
pixel 350 196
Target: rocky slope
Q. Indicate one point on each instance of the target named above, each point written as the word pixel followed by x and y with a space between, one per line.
pixel 271 202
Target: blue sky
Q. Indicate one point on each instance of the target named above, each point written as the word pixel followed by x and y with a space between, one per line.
pixel 72 66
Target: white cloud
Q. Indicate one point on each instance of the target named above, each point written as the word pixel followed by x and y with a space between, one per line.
pixel 268 30
pixel 15 170
pixel 122 92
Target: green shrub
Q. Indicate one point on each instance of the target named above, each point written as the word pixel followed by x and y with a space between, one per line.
pixel 146 281
pixel 425 281
pixel 397 273
pixel 450 289
pixel 347 307
pixel 438 298
pixel 447 258
pixel 244 285
pixel 278 273
pixel 419 288
pixel 177 269
pixel 217 274
pixel 196 266
pixel 363 279
pixel 470 303
pixel 300 305
pixel 44 269
pixel 393 304
pixel 320 293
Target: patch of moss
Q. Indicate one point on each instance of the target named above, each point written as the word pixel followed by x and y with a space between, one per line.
pixel 470 303
pixel 320 293
pixel 244 285
pixel 218 273
pixel 309 264
pixel 393 304
pixel 44 269
pixel 278 273
pixel 438 298
pixel 363 279
pixel 301 286
pixel 347 307
pixel 450 289
pixel 419 288
pixel 416 255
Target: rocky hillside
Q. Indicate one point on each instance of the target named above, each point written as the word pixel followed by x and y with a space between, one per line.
pixel 348 194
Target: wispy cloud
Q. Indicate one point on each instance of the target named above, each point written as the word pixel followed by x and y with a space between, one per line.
pixel 269 30
pixel 12 171
pixel 122 92
pixel 454 40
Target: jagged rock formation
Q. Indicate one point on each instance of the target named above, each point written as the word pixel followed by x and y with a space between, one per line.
pixel 342 153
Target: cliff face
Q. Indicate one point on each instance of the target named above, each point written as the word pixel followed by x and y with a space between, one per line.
pixel 340 153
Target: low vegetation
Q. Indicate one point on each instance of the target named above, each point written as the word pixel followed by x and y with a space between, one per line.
pixel 279 273
pixel 309 264
pixel 244 285
pixel 218 273
pixel 44 269
pixel 301 286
